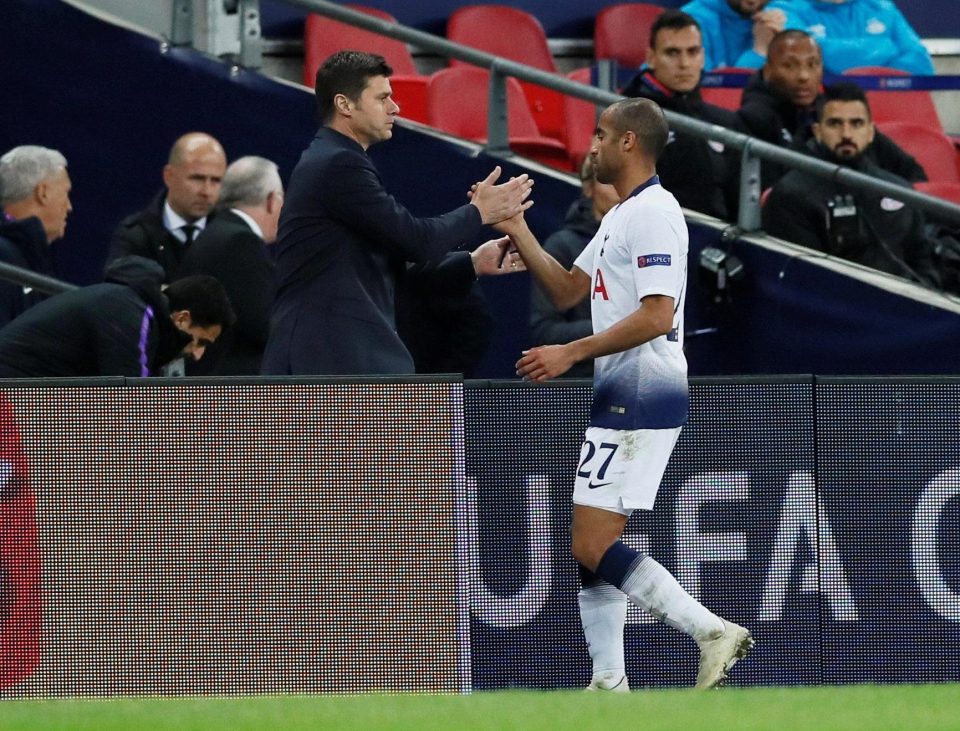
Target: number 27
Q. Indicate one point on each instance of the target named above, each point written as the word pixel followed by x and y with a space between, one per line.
pixel 591 451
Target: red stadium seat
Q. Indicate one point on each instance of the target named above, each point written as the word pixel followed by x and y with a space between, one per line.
pixel 898 106
pixel 947 191
pixel 932 149
pixel 622 32
pixel 516 35
pixel 580 119
pixel 722 96
pixel 323 37
pixel 457 103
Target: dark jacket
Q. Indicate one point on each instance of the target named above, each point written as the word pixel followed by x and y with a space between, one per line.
pixel 443 317
pixel 23 244
pixel 143 234
pixel 343 241
pixel 883 234
pixel 701 174
pixel 548 325
pixel 121 327
pixel 776 120
pixel 229 250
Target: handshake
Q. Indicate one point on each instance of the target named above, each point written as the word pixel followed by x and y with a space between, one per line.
pixel 502 207
pixel 503 202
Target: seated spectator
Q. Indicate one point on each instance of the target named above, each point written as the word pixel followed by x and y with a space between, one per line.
pixel 35 196
pixel 123 327
pixel 735 32
pixel 858 33
pixel 549 325
pixel 780 101
pixel 701 174
pixel 872 229
pixel 233 248
pixel 166 228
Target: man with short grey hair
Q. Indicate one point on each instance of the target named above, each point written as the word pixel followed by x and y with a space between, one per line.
pixel 233 248
pixel 35 196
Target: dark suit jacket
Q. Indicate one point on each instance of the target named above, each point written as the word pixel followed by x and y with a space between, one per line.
pixel 229 250
pixel 143 234
pixel 343 241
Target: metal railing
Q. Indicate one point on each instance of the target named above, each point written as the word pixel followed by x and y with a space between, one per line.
pixel 752 149
pixel 26 278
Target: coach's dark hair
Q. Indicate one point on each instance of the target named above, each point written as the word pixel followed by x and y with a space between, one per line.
pixel 347 73
pixel 645 119
pixel 204 297
pixel 784 36
pixel 843 91
pixel 671 19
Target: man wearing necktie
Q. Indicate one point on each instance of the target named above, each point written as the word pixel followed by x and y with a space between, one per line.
pixel 176 216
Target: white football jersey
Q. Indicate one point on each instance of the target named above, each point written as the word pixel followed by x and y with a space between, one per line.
pixel 640 250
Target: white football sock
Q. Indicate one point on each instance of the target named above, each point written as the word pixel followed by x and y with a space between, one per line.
pixel 603 613
pixel 654 589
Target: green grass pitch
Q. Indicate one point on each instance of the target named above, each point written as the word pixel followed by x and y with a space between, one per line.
pixel 857 708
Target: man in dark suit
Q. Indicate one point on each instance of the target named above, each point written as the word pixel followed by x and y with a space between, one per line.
pixel 167 227
pixel 344 240
pixel 233 248
pixel 35 196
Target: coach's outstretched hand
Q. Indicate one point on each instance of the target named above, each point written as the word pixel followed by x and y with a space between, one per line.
pixel 499 202
pixel 497 256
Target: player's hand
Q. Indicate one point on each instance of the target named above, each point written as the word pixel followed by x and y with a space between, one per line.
pixel 499 202
pixel 511 226
pixel 545 362
pixel 497 256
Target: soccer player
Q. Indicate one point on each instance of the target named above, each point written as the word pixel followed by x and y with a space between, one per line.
pixel 635 272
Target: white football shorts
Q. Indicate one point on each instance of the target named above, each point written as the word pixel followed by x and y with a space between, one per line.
pixel 620 470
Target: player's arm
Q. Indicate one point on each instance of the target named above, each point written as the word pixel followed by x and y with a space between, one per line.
pixel 653 319
pixel 564 287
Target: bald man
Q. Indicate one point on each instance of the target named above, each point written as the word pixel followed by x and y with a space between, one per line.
pixel 164 230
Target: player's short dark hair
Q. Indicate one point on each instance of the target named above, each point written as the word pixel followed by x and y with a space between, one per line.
pixel 347 73
pixel 645 119
pixel 671 19
pixel 843 91
pixel 204 297
pixel 785 36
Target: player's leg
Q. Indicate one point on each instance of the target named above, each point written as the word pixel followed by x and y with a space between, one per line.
pixel 603 614
pixel 627 473
pixel 655 590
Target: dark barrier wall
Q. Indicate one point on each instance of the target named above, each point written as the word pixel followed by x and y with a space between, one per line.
pixel 288 537
pixel 570 18
pixel 825 517
pixel 235 539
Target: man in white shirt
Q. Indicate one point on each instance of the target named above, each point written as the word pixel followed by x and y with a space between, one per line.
pixel 635 272
pixel 166 229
